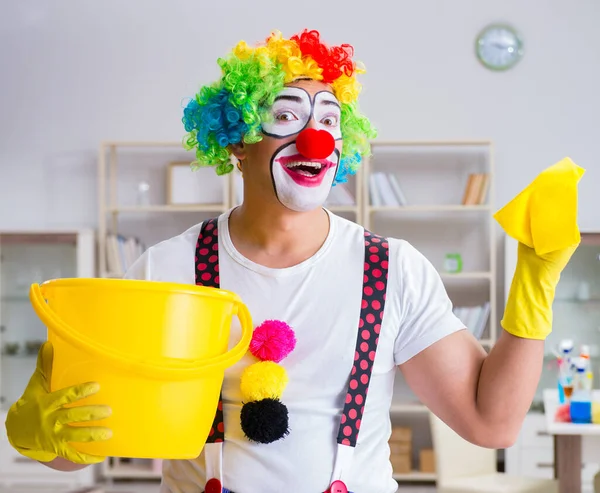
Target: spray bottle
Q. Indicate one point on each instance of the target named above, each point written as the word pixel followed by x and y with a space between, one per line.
pixel 581 400
pixel 565 370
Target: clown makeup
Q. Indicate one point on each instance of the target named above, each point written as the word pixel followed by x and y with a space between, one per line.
pixel 289 114
pixel 303 180
pixel 302 184
pixel 327 113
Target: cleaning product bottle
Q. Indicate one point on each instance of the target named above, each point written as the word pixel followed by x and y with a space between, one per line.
pixel 565 370
pixel 581 399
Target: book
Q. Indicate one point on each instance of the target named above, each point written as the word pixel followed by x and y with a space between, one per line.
pixel 397 190
pixel 476 189
pixel 374 191
pixel 385 190
pixel 475 318
pixel 121 253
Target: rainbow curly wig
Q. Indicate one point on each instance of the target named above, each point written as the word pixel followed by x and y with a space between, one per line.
pixel 233 109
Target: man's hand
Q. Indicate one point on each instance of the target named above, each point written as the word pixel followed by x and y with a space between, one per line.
pixel 39 425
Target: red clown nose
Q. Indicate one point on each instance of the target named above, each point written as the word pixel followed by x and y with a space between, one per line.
pixel 315 144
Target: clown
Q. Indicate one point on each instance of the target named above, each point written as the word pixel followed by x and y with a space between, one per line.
pixel 338 310
pixel 297 94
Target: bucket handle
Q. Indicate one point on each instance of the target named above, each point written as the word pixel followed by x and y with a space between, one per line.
pixel 194 369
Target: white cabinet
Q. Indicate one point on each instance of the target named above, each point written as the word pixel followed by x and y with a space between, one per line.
pixel 533 454
pixel 28 257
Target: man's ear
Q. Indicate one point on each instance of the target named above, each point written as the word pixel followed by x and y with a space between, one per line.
pixel 238 150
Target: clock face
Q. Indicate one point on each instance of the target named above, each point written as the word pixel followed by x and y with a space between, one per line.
pixel 499 47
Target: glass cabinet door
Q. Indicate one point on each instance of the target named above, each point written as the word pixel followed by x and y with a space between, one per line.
pixel 26 259
pixel 576 309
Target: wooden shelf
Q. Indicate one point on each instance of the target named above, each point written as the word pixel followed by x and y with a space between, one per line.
pixel 428 208
pixel 170 208
pixel 38 238
pixel 110 275
pixel 131 472
pixel 139 143
pixel 342 208
pixel 431 143
pixel 416 476
pixel 408 408
pixel 466 275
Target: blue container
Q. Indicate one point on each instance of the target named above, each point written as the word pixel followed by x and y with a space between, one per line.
pixel 581 412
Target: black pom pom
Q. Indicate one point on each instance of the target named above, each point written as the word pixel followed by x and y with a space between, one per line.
pixel 265 421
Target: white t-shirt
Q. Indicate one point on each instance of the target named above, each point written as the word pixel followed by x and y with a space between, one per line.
pixel 320 299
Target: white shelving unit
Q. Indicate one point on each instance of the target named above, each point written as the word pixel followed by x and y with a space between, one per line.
pixel 433 177
pixel 122 167
pixel 28 257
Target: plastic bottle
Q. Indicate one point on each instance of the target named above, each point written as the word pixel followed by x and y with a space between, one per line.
pixel 581 399
pixel 565 370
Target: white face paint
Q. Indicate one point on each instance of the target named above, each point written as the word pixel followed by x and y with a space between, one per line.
pixel 300 183
pixel 289 114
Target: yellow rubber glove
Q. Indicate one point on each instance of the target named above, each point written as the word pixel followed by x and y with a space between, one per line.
pixel 543 219
pixel 39 425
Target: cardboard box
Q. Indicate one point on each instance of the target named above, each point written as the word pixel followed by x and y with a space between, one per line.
pixel 426 460
pixel 401 463
pixel 401 434
pixel 399 448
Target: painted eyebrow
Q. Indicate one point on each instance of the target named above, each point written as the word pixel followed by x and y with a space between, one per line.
pixel 329 102
pixel 289 97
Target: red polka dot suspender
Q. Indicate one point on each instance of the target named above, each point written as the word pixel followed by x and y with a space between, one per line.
pixel 371 315
pixel 369 326
pixel 207 274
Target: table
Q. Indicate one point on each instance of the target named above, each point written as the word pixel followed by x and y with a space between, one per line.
pixel 571 443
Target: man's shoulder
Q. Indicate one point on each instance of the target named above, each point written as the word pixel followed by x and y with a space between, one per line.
pixel 180 242
pixel 170 260
pixel 405 258
pixel 399 248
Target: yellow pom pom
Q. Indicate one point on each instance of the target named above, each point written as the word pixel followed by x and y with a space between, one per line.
pixel 263 380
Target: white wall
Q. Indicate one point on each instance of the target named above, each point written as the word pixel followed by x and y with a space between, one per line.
pixel 75 72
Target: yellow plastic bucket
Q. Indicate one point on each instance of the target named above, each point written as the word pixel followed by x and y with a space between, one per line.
pixel 158 350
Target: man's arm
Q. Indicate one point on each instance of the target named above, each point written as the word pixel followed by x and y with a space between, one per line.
pixel 484 398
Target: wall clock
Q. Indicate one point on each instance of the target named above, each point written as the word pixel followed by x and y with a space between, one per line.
pixel 499 47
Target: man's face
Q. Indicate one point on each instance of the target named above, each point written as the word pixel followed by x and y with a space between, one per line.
pixel 299 179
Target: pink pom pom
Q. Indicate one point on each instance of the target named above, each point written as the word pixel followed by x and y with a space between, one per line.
pixel 273 340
